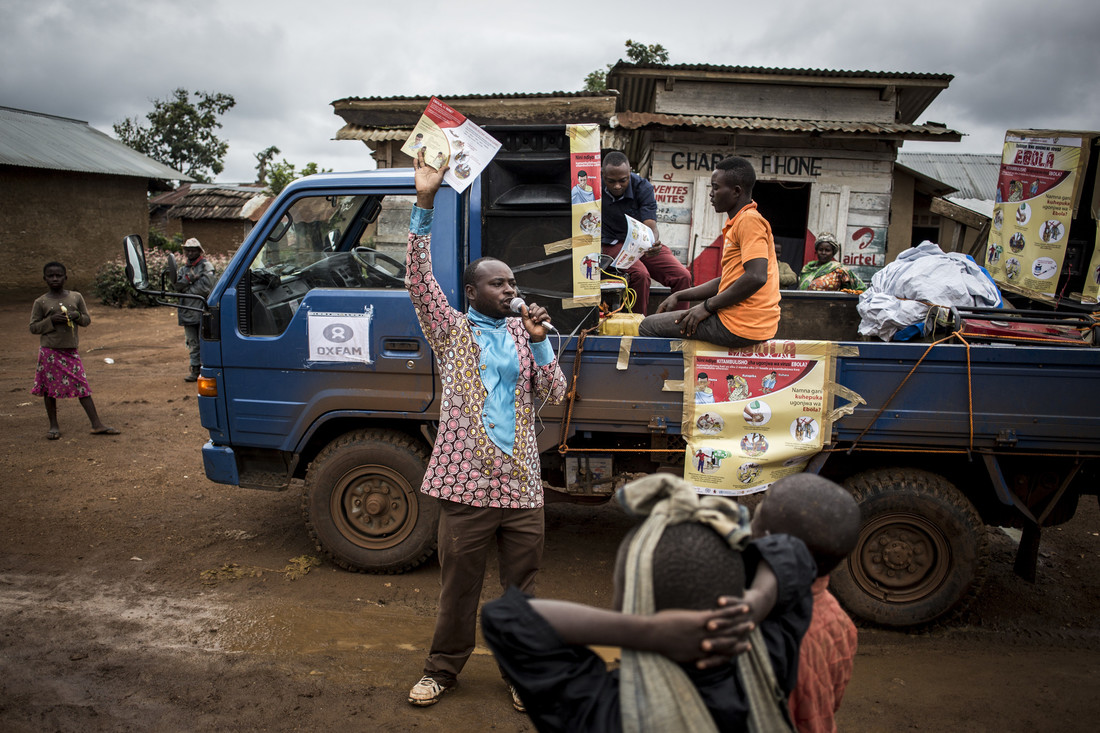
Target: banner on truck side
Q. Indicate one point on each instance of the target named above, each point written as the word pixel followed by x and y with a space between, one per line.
pixel 1037 191
pixel 340 336
pixel 584 194
pixel 754 415
pixel 1091 290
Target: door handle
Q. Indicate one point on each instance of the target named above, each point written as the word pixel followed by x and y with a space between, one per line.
pixel 403 346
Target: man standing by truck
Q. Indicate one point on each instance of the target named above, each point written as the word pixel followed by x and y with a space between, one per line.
pixel 495 370
pixel 744 299
pixel 195 276
pixel 625 193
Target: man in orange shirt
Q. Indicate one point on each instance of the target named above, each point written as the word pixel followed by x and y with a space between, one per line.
pixel 744 300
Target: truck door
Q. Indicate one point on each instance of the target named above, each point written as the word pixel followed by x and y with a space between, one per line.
pixel 321 324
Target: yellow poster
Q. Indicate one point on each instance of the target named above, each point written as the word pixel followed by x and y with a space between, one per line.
pixel 1033 208
pixel 1091 289
pixel 754 415
pixel 584 194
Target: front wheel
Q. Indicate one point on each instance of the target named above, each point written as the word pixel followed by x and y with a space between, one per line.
pixel 922 550
pixel 362 503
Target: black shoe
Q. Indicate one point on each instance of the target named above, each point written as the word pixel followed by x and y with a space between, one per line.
pixel 192 377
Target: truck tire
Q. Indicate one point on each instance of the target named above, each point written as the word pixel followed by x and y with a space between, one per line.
pixel 922 551
pixel 363 506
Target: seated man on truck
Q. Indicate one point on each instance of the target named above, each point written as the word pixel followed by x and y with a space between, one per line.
pixel 495 369
pixel 741 306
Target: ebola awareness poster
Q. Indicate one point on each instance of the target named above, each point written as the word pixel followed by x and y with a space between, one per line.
pixel 448 138
pixel 1032 211
pixel 754 415
pixel 1091 291
pixel 584 194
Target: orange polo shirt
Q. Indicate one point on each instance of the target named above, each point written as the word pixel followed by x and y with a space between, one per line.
pixel 748 236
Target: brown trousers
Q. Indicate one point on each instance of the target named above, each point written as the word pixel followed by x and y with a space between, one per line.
pixel 465 533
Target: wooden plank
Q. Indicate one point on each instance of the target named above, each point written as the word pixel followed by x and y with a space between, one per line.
pixel 784 101
pixel 954 212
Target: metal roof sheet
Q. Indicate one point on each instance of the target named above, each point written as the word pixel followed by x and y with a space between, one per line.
pixel 423 101
pixel 34 140
pixel 637 82
pixel 778 71
pixel 638 120
pixel 973 176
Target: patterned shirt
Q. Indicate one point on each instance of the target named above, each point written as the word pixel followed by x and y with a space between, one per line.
pixel 467 466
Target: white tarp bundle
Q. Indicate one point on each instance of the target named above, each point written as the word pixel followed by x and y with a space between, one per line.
pixel 924 273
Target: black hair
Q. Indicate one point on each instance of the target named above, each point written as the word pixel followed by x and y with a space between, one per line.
pixel 692 566
pixel 817 511
pixel 582 173
pixel 702 375
pixel 469 275
pixel 614 159
pixel 739 171
pixel 54 263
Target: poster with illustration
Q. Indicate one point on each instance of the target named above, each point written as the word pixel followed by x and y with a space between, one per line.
pixel 754 415
pixel 448 138
pixel 1091 289
pixel 584 194
pixel 1036 190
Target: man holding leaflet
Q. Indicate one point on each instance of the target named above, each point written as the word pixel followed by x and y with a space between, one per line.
pixel 495 369
pixel 627 194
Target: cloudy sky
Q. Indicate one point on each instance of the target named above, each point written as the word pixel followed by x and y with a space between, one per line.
pixel 1016 63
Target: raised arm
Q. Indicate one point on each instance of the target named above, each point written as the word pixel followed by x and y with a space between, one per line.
pixel 682 636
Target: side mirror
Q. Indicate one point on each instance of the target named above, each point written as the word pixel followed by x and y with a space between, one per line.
pixel 136 270
pixel 137 274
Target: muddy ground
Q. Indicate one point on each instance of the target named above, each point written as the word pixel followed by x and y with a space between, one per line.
pixel 135 595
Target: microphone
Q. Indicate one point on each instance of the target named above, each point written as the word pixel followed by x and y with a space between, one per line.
pixel 516 307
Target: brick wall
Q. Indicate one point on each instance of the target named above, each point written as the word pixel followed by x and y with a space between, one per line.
pixel 78 219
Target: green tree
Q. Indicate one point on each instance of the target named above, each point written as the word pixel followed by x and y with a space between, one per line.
pixel 638 53
pixel 283 173
pixel 181 133
pixel 264 158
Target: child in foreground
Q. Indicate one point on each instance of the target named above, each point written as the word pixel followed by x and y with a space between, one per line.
pixel 679 670
pixel 825 517
pixel 55 317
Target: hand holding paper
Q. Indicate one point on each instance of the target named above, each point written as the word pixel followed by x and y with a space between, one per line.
pixel 427 179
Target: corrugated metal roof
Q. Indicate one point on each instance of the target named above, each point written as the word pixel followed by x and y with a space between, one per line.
pixel 777 71
pixel 446 97
pixel 639 120
pixel 211 201
pixel 371 134
pixel 34 140
pixel 973 176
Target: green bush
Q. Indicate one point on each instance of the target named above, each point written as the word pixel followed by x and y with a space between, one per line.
pixel 112 288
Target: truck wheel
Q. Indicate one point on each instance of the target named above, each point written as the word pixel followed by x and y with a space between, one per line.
pixel 363 506
pixel 922 550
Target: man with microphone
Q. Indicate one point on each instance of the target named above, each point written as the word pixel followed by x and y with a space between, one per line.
pixel 496 369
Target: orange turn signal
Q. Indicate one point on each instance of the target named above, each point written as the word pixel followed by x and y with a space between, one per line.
pixel 208 387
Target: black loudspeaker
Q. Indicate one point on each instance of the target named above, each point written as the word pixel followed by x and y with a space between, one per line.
pixel 525 206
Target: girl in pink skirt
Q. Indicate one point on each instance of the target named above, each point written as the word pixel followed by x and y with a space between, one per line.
pixel 55 317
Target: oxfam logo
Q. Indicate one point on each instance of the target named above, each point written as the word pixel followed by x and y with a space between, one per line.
pixel 338 333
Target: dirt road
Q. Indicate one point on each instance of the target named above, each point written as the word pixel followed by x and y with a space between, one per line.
pixel 136 595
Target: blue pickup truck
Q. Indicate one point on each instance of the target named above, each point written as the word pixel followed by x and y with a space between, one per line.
pixel 994 434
